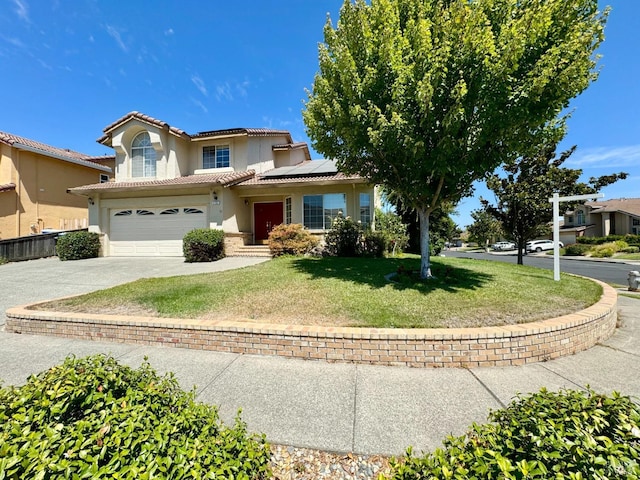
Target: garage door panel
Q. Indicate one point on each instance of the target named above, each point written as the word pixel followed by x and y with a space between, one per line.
pixel 148 232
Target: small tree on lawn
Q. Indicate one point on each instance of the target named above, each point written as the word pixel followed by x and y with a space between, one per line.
pixel 523 208
pixel 426 96
pixel 485 228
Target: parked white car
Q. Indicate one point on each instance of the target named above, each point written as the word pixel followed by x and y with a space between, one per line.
pixel 504 246
pixel 541 245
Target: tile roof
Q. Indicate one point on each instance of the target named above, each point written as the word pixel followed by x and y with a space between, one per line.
pixel 222 179
pixel 630 206
pixel 44 149
pixel 7 187
pixel 252 132
pixel 319 179
pixel 143 118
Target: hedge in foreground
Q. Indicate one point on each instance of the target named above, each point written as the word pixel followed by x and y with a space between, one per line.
pixel 203 245
pixel 93 418
pixel 78 245
pixel 563 435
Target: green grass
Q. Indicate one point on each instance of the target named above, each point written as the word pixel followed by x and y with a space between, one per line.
pixel 627 256
pixel 351 291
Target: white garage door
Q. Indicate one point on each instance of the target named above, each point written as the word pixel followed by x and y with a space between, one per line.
pixel 152 232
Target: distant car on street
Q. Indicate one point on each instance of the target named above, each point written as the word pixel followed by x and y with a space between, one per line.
pixel 504 246
pixel 541 245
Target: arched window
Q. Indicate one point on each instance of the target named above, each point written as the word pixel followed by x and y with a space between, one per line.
pixel 143 156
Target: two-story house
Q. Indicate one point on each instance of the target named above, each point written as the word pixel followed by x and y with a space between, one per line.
pixel 34 178
pixel 599 219
pixel 244 181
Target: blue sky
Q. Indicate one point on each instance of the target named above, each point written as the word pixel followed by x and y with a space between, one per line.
pixel 71 67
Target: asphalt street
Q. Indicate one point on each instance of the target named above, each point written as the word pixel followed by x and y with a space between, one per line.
pixel 614 273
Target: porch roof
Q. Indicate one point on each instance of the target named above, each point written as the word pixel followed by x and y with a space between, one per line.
pixel 221 179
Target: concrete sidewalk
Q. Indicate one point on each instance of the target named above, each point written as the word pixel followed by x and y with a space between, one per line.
pixel 350 408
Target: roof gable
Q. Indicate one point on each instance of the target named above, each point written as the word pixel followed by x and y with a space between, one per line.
pixel 630 206
pixel 64 154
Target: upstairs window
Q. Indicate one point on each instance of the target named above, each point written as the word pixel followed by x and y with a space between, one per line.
pixel 216 156
pixel 581 217
pixel 143 156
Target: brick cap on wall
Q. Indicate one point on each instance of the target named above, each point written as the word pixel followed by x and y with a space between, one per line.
pixel 438 347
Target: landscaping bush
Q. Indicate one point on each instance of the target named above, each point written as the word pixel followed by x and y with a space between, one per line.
pixel 94 418
pixel 291 239
pixel 624 250
pixel 630 239
pixel 78 245
pixel 374 244
pixel 393 231
pixel 203 245
pixel 344 238
pixel 602 251
pixel 608 249
pixel 576 249
pixel 559 435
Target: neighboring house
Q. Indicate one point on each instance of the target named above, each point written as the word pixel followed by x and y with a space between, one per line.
pixel 34 179
pixel 244 181
pixel 599 219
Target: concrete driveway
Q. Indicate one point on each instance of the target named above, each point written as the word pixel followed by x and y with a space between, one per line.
pixel 48 278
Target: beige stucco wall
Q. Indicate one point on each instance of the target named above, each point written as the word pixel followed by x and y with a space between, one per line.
pixel 243 221
pixel 41 199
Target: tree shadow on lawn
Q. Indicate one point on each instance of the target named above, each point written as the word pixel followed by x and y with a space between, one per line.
pixel 373 272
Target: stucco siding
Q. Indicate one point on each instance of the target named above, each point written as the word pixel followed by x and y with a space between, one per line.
pixel 41 199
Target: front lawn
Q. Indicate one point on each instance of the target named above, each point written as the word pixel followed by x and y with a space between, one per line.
pixel 351 292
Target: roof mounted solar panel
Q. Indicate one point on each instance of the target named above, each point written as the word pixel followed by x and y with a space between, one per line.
pixel 306 169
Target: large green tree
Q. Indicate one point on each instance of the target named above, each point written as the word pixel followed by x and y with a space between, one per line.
pixel 427 96
pixel 485 228
pixel 523 190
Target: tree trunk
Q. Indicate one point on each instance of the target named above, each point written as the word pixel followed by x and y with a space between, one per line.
pixel 425 265
pixel 521 245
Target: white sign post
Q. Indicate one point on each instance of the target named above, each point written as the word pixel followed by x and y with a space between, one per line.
pixel 556 199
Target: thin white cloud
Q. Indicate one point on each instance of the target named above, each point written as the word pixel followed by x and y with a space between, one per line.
pixel 91 39
pixel 241 88
pixel 199 83
pixel 115 34
pixel 608 157
pixel 16 42
pixel 168 32
pixel 22 10
pixel 223 92
pixel 198 103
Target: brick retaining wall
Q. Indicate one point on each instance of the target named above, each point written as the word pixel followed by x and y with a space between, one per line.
pixel 438 347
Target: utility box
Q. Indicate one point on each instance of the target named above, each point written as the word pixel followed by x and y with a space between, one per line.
pixel 634 281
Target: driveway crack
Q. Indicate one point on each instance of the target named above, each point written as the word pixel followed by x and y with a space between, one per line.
pixel 218 375
pixel 486 387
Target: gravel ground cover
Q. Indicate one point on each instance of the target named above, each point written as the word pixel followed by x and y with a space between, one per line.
pixel 292 463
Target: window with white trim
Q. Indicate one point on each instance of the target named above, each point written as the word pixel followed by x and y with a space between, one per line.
pixel 216 156
pixel 319 211
pixel 365 210
pixel 580 216
pixel 143 156
pixel 287 210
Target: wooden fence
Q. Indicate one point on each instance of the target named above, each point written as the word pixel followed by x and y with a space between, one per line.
pixel 29 248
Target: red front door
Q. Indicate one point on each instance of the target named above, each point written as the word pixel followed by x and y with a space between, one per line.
pixel 266 216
